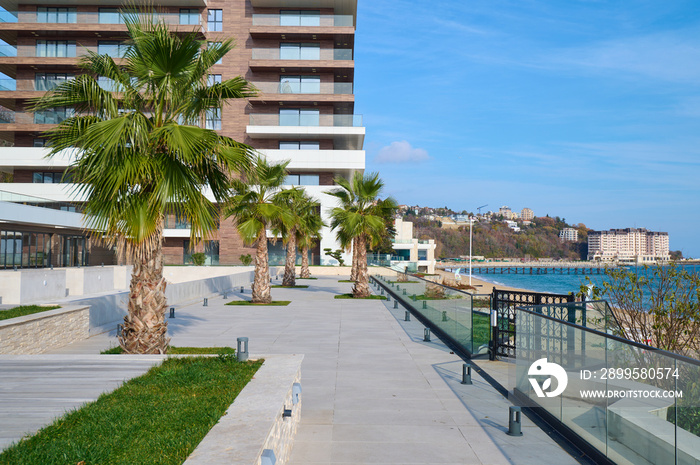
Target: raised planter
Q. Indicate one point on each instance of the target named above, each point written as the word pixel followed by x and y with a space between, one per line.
pixel 40 332
pixel 255 422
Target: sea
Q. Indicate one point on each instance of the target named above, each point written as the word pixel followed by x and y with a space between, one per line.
pixel 552 283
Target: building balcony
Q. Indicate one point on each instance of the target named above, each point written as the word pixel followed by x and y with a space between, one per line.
pixel 338 161
pixel 305 92
pixel 13 121
pixel 345 130
pixel 12 5
pixel 12 158
pixel 275 26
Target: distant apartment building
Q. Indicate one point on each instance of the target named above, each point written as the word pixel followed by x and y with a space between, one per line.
pixel 630 245
pixel 507 213
pixel 299 53
pixel 422 252
pixel 568 235
pixel 527 214
pixel 513 225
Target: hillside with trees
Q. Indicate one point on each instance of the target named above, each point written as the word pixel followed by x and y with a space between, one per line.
pixel 495 239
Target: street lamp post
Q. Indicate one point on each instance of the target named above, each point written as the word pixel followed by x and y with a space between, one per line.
pixel 471 221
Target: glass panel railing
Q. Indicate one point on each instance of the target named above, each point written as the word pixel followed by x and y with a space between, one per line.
pixel 25 117
pixel 633 403
pixel 301 21
pixel 301 54
pixel 13 197
pixel 303 120
pixel 462 317
pixel 105 17
pixel 342 88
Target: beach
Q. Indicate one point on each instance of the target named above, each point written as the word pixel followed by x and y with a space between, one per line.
pixel 482 287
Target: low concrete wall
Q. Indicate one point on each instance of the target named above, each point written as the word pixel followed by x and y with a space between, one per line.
pixel 254 422
pixel 89 280
pixel 40 332
pixel 30 286
pixel 341 271
pixel 179 274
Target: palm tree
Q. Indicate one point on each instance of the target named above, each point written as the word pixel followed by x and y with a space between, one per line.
pixel 140 154
pixel 256 207
pixel 309 232
pixel 292 200
pixel 360 218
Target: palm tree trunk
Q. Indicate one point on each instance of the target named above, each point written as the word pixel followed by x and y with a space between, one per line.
pixel 145 327
pixel 261 281
pixel 305 273
pixel 353 270
pixel 289 265
pixel 361 287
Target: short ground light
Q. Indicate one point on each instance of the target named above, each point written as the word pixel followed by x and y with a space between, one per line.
pixel 172 312
pixel 407 316
pixel 466 374
pixel 206 302
pixel 514 421
pixel 396 303
pixel 242 349
pixel 426 335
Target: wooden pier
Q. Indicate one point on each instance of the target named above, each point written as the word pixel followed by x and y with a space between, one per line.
pixel 534 270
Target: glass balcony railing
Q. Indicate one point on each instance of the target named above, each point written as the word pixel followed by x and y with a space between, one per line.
pixel 26 117
pixel 635 404
pixel 93 17
pixel 304 87
pixel 306 120
pixel 302 54
pixel 33 201
pixel 462 317
pixel 303 20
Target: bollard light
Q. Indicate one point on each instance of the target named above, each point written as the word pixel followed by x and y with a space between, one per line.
pixel 404 292
pixel 120 328
pixel 396 304
pixel 398 288
pixel 425 304
pixel 172 312
pixel 466 374
pixel 382 291
pixel 407 316
pixel 426 335
pixel 296 393
pixel 414 297
pixel 242 290
pixel 514 424
pixel 268 457
pixel 388 297
pixel 206 302
pixel 225 295
pixel 444 315
pixel 242 349
pixel 286 412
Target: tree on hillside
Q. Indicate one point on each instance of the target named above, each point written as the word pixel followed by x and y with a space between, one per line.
pixel 142 151
pixel 255 206
pixel 360 220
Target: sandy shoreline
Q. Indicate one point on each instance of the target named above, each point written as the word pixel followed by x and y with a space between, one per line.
pixel 482 287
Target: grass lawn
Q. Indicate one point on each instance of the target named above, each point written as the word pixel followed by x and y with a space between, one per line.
pixel 181 350
pixel 25 310
pixel 306 278
pixel 278 303
pixel 404 282
pixel 346 281
pixel 349 296
pixel 298 286
pixel 157 418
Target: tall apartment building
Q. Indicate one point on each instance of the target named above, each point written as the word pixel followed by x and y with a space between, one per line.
pixel 527 214
pixel 299 53
pixel 507 213
pixel 568 234
pixel 631 245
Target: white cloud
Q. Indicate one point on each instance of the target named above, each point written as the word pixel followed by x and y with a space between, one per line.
pixel 401 152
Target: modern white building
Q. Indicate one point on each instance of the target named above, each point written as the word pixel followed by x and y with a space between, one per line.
pixel 421 252
pixel 568 235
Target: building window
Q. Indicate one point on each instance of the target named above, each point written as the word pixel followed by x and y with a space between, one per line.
pixel 294 51
pixel 55 48
pixel 215 20
pixel 48 81
pixel 109 16
pixel 422 254
pixel 113 48
pixel 213 79
pixel 299 145
pixel 300 84
pixel 300 18
pixel 40 142
pixel 302 180
pixel 56 15
pixel 221 60
pixel 211 251
pixel 39 177
pixel 299 117
pixel 189 16
pixel 53 115
pixel 213 119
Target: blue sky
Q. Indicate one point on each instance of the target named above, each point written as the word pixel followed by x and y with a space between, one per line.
pixel 587 110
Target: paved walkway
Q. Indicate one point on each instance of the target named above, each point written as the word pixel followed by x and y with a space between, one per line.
pixel 373 391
